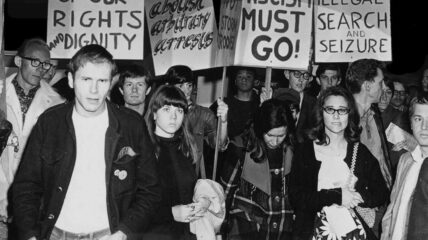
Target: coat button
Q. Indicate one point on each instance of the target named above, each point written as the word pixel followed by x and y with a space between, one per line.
pixel 274 225
pixel 276 171
pixel 277 198
pixel 59 189
pixel 51 216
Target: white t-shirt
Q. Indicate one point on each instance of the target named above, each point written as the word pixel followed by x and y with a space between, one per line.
pixel 85 204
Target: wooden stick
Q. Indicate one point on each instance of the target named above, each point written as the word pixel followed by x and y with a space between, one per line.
pixel 223 79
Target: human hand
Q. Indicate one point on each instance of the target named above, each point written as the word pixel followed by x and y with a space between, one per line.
pixel 265 94
pixel 222 110
pixel 119 235
pixel 409 144
pixel 184 213
pixel 201 206
pixel 350 198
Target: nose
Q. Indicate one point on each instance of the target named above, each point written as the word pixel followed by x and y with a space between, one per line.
pixel 134 88
pixel 424 124
pixel 336 114
pixel 94 87
pixel 173 115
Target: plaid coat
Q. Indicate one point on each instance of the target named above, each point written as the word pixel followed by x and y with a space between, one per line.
pixel 272 213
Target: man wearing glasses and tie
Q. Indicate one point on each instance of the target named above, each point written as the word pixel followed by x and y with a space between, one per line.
pixel 27 96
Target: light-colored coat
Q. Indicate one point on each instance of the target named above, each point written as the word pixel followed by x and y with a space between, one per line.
pixel 395 220
pixel 45 98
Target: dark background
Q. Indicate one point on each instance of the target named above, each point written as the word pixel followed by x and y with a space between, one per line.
pixel 409 26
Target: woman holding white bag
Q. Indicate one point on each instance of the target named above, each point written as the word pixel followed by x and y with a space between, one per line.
pixel 333 174
pixel 185 199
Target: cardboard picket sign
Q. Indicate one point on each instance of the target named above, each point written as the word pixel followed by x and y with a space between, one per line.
pixel 181 33
pixel 274 34
pixel 117 25
pixel 228 27
pixel 349 30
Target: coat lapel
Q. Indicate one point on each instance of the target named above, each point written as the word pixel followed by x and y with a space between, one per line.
pixel 112 138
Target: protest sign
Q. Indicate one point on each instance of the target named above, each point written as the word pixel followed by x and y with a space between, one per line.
pixel 181 32
pixel 348 30
pixel 230 12
pixel 274 34
pixel 117 25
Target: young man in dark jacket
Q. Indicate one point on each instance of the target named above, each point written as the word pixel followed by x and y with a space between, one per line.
pixel 89 168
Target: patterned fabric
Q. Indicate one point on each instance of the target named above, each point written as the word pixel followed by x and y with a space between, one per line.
pixel 25 100
pixel 323 231
pixel 272 214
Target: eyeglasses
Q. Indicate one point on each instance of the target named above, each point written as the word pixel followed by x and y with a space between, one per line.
pixel 36 63
pixel 388 92
pixel 340 111
pixel 305 75
pixel 401 93
pixel 334 78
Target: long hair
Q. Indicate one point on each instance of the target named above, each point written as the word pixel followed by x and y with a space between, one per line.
pixel 352 131
pixel 272 114
pixel 171 95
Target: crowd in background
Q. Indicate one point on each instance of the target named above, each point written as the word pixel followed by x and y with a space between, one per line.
pixel 337 154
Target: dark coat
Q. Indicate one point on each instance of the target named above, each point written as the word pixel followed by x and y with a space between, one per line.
pixel 307 200
pixel 43 177
pixel 418 217
pixel 306 119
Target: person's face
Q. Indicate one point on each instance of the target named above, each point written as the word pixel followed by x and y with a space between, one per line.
pixel 419 123
pixel 335 123
pixel 29 75
pixel 244 80
pixel 168 120
pixel 187 89
pixel 275 137
pixel 91 85
pixel 134 90
pixel 385 98
pixel 425 80
pixel 299 80
pixel 399 95
pixel 376 86
pixel 329 78
pixel 49 74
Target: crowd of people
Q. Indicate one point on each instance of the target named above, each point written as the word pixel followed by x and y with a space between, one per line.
pixel 338 154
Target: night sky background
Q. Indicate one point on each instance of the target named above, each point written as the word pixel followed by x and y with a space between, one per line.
pixel 409 26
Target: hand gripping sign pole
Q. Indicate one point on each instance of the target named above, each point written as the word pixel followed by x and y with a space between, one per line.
pixel 223 79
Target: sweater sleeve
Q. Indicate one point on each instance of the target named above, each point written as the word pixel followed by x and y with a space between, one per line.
pixel 373 188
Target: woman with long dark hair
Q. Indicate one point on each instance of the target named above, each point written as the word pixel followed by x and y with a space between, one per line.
pixel 256 175
pixel 176 155
pixel 333 173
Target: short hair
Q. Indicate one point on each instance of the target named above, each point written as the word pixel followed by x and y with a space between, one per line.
pixel 360 71
pixel 352 131
pixel 322 67
pixel 134 71
pixel 171 95
pixel 178 74
pixel 273 113
pixel 91 53
pixel 28 43
pixel 416 100
pixel 390 84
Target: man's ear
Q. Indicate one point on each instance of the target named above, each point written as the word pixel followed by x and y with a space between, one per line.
pixel 70 79
pixel 287 74
pixel 148 90
pixel 339 81
pixel 367 86
pixel 17 60
pixel 318 80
